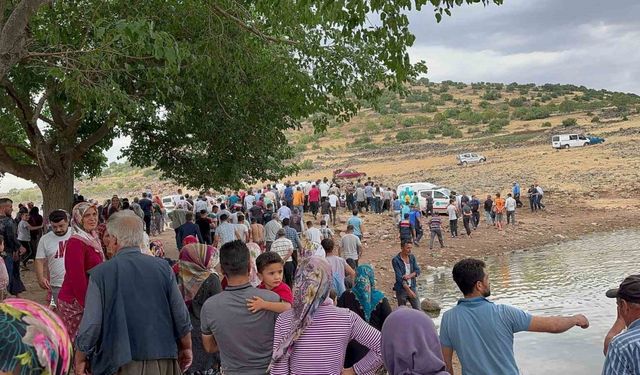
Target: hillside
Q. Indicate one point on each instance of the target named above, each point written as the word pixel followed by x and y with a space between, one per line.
pixel 416 138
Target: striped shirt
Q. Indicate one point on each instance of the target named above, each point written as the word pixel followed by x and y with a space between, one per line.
pixel 623 356
pixel 282 246
pixel 435 223
pixel 322 346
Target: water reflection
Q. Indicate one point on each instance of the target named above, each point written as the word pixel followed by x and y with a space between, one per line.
pixel 567 278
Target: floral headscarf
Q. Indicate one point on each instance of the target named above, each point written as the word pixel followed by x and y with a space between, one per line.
pixel 89 238
pixel 364 289
pixel 33 337
pixel 313 283
pixel 196 263
pixel 157 248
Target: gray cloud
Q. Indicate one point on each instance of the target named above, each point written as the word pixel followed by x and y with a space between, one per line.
pixel 569 41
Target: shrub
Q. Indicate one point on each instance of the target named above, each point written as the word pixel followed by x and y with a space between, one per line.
pixel 372 127
pixel 595 119
pixel 569 122
pixel 306 164
pixel 517 102
pixel 446 97
pixel 429 108
pixel 395 106
pixel 362 140
pixel 355 129
pixel 484 104
pixel 546 124
pixel 456 134
pixel 496 125
pixel 491 95
pixel 403 136
pixel 470 117
pixel 473 129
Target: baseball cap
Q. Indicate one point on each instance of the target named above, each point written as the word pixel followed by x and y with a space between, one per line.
pixel 629 290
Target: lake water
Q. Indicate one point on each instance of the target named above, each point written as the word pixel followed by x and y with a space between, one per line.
pixel 560 279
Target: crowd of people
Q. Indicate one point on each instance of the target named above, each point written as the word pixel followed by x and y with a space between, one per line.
pixel 258 289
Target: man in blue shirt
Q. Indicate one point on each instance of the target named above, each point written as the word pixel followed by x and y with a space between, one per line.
pixel 622 353
pixel 288 195
pixel 357 224
pixel 481 332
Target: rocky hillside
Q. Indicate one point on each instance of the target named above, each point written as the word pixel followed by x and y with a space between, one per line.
pixel 416 137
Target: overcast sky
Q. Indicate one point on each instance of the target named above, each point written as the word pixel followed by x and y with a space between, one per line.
pixel 584 42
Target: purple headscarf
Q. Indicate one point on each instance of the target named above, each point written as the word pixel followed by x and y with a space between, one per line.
pixel 410 344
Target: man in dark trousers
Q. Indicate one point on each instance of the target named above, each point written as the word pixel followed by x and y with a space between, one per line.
pixel 147 208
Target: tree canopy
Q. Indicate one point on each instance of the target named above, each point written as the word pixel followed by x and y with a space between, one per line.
pixel 205 89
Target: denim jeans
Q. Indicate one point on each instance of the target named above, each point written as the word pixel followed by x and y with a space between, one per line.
pixel 488 218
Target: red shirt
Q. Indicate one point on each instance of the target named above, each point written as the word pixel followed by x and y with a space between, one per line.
pixel 281 290
pixel 314 195
pixel 79 258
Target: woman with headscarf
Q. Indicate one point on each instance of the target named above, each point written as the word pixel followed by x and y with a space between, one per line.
pixel 33 340
pixel 312 337
pixel 369 303
pixel 410 344
pixel 83 251
pixel 197 281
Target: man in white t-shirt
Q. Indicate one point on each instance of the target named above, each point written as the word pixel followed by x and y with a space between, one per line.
pixel 510 205
pixel 453 211
pixel 324 188
pixel 312 233
pixel 51 248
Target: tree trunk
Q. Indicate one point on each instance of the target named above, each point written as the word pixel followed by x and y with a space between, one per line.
pixel 57 192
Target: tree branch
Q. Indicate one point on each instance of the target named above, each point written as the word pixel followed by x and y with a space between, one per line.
pixel 39 106
pixel 81 148
pixel 10 165
pixel 25 150
pixel 249 28
pixel 26 113
pixel 13 37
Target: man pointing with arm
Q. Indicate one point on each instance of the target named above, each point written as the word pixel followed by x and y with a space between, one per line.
pixel 481 332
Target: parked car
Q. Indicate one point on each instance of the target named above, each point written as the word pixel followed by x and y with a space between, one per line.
pixel 464 159
pixel 593 140
pixel 569 140
pixel 348 173
pixel 169 202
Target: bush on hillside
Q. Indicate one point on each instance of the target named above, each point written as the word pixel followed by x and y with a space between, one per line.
pixel 306 164
pixel 428 108
pixel 595 119
pixel 569 122
pixel 491 95
pixel 446 97
pixel 546 124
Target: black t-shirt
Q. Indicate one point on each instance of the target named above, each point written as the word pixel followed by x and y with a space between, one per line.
pixel 203 224
pixel 488 204
pixel 146 206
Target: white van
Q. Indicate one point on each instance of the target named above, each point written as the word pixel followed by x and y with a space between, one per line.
pixel 569 140
pixel 440 195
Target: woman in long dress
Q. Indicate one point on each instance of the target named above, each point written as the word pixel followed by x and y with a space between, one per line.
pixel 83 251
